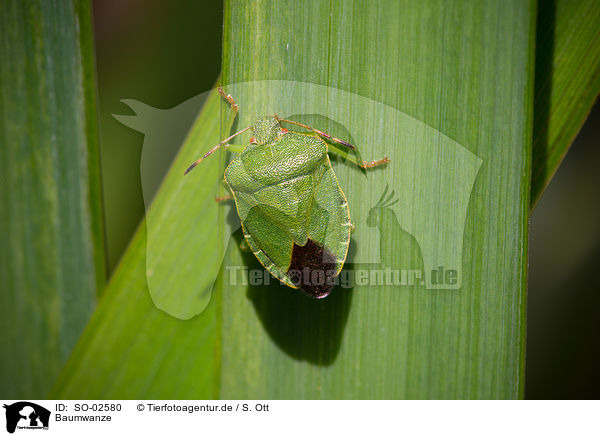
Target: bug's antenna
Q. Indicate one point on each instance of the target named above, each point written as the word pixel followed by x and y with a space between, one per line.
pixel 215 148
pixel 318 132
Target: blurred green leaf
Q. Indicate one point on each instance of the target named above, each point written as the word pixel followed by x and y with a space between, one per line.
pixel 567 82
pixel 463 70
pixel 134 349
pixel 52 245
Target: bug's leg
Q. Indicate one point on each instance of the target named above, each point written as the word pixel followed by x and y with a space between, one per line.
pixel 223 198
pixel 360 163
pixel 219 198
pixel 234 148
pixel 318 132
pixel 244 246
pixel 232 115
pixel 229 99
pixel 374 163
pixel 232 104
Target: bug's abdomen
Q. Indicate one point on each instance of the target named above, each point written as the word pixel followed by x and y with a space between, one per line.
pixel 313 269
pixel 315 266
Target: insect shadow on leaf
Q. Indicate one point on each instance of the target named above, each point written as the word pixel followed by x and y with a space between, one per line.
pixel 305 329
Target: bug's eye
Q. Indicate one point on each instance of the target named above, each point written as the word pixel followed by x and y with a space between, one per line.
pixel 253 140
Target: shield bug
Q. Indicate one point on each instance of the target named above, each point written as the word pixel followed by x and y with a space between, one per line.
pixel 294 215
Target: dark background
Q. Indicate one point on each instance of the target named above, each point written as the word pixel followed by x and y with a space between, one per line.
pixel 164 52
pixel 563 326
pixel 159 52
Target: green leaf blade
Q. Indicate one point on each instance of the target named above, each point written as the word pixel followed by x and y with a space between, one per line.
pixel 52 255
pixel 464 70
pixel 130 343
pixel 567 82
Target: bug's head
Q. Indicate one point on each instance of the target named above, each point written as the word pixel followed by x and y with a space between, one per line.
pixel 266 130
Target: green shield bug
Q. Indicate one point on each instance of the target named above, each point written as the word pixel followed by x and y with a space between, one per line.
pixel 294 215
